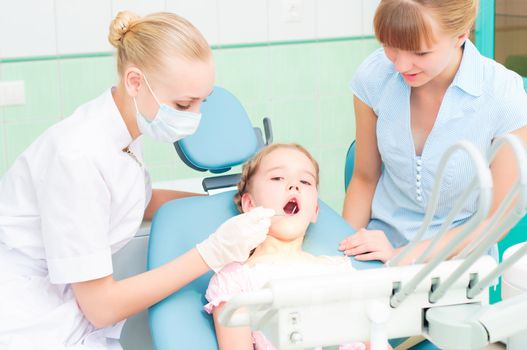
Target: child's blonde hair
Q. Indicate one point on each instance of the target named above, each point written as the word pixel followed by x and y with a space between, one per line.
pixel 150 41
pixel 403 24
pixel 251 167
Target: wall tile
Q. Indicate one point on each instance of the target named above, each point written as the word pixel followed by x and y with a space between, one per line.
pixel 280 29
pixel 41 89
pixel 331 163
pixel 368 11
pixel 202 13
pixel 139 7
pixel 3 148
pixel 245 72
pixel 292 70
pixel 27 28
pixel 337 62
pixel 336 121
pixel 294 120
pixel 163 172
pixel 19 135
pixel 83 79
pixel 334 202
pixel 338 18
pixel 242 21
pixel 257 111
pixel 156 152
pixel 82 26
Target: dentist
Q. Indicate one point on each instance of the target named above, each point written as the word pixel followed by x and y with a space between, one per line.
pixel 79 192
pixel 427 88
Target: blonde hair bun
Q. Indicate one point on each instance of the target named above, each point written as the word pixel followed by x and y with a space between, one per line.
pixel 120 25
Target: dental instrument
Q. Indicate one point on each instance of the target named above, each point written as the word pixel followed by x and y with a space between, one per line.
pixel 444 300
pixel 284 214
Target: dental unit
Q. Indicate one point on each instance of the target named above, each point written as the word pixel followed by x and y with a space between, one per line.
pixel 446 301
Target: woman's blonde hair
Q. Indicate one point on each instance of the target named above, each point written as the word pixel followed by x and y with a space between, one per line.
pixel 150 40
pixel 250 168
pixel 403 24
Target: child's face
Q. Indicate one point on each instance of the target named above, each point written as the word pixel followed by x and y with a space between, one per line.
pixel 285 181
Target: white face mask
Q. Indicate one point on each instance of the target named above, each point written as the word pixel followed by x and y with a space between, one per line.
pixel 169 124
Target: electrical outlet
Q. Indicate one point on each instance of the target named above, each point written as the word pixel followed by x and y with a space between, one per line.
pixel 293 10
pixel 12 93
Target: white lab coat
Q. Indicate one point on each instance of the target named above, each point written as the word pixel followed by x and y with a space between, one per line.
pixel 70 201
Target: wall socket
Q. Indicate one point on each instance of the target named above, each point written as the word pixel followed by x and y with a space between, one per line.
pixel 293 10
pixel 12 93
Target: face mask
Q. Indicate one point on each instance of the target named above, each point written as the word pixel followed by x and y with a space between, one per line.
pixel 169 124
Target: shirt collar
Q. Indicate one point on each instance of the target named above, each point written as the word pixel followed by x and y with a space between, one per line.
pixel 117 129
pixel 469 76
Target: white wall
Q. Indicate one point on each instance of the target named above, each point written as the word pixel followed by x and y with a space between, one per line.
pixel 31 28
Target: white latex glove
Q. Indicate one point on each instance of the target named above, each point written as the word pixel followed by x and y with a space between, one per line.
pixel 235 238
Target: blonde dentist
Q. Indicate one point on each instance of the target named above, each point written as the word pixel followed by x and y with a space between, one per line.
pixel 79 192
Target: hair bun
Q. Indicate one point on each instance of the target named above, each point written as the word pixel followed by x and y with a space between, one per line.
pixel 120 25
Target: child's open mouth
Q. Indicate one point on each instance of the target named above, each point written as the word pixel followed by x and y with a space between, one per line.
pixel 291 207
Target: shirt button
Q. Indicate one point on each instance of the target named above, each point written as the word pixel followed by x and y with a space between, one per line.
pixel 418 168
pixel 419 198
pixel 418 177
pixel 419 162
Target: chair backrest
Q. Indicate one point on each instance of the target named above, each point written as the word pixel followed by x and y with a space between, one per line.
pixel 349 165
pixel 179 322
pixel 223 118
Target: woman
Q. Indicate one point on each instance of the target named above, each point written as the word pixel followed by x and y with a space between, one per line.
pixel 426 89
pixel 79 192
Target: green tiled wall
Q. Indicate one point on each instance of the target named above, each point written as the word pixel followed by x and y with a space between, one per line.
pixel 42 80
pixel 3 147
pixel 94 75
pixel 301 87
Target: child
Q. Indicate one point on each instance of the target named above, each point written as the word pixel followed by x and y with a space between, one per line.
pixel 283 177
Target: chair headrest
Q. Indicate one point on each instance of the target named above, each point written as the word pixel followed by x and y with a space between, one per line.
pixel 225 136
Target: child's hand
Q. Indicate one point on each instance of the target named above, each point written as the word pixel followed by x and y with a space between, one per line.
pixel 234 239
pixel 368 245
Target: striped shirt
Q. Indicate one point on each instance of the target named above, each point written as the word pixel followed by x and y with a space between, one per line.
pixel 484 100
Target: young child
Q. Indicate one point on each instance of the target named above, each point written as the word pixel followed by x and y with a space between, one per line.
pixel 283 177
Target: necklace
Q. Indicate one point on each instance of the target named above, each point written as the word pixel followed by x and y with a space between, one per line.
pixel 127 151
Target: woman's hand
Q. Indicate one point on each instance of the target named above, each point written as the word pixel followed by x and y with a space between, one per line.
pixel 235 238
pixel 368 245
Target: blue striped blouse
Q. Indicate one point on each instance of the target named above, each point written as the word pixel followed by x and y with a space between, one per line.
pixel 485 100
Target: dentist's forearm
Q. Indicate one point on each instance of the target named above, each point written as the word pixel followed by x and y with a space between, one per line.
pixel 105 301
pixel 161 196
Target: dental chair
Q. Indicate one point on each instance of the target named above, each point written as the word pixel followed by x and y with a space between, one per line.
pixel 224 139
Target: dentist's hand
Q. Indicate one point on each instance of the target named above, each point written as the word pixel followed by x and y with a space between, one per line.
pixel 234 239
pixel 368 245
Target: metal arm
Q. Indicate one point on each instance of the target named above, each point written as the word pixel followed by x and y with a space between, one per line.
pixel 486 241
pixel 485 184
pixel 473 326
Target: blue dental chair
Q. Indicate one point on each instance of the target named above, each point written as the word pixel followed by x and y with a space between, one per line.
pixel 179 322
